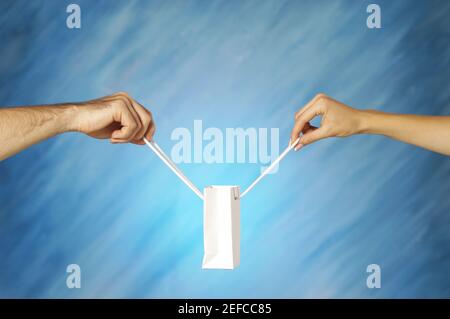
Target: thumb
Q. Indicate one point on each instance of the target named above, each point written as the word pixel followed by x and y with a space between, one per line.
pixel 312 136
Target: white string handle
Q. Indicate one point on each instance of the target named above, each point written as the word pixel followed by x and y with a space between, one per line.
pixel 166 159
pixel 270 168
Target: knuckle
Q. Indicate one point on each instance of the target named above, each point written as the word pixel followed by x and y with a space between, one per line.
pixel 123 102
pixel 301 122
pixel 123 94
pixel 124 99
pixel 321 97
pixel 145 125
pixel 146 121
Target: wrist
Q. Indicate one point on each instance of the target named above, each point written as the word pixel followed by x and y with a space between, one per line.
pixel 367 120
pixel 70 117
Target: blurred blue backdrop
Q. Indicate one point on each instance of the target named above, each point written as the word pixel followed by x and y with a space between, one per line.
pixel 308 231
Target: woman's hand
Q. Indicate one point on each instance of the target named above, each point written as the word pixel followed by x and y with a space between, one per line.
pixel 337 120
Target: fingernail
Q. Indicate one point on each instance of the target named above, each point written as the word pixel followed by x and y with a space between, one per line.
pixel 290 140
pixel 298 147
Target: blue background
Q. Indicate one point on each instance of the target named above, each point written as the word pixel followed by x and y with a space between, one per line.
pixel 308 231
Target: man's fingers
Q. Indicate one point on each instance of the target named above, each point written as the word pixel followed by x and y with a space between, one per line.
pixel 128 103
pixel 148 135
pixel 145 119
pixel 130 125
pixel 134 119
pixel 138 142
pixel 151 131
pixel 124 135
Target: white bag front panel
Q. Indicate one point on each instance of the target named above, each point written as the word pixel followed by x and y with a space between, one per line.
pixel 221 227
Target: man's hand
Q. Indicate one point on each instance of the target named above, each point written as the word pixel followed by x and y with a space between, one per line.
pixel 337 120
pixel 117 117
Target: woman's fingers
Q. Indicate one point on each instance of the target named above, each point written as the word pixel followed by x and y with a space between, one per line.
pixel 312 136
pixel 317 98
pixel 304 118
pixel 308 128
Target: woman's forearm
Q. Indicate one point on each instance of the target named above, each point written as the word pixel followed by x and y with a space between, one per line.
pixel 430 132
pixel 340 120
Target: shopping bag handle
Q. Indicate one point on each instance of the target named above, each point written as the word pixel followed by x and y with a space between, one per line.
pixel 270 168
pixel 166 159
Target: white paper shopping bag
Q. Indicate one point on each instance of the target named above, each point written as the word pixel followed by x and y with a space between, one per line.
pixel 221 227
pixel 221 213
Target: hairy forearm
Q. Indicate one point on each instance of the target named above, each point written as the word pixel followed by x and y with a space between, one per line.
pixel 22 127
pixel 430 132
pixel 117 117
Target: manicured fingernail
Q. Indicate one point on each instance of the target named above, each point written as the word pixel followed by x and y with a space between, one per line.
pixel 298 147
